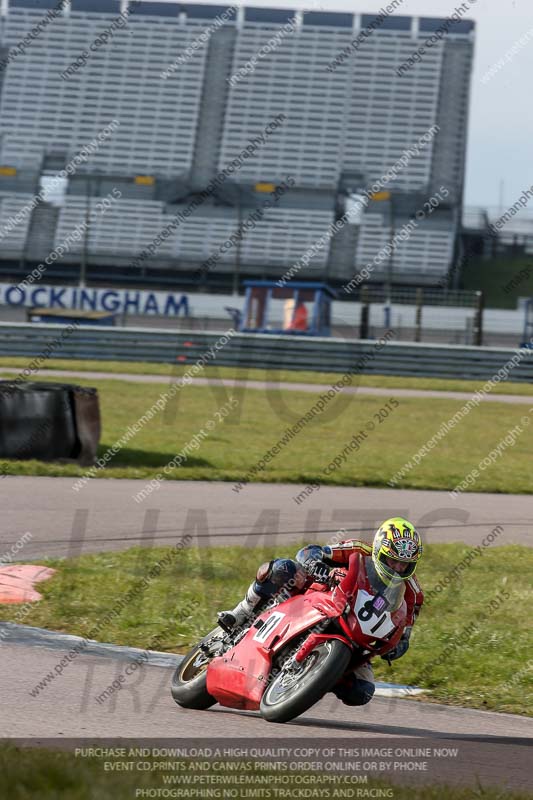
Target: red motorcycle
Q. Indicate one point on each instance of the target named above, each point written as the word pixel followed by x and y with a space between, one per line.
pixel 292 654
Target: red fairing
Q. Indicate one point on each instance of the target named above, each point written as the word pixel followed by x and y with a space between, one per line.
pixel 358 630
pixel 414 597
pixel 348 585
pixel 239 677
pixel 237 681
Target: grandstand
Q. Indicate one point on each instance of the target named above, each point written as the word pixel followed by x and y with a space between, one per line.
pixel 176 80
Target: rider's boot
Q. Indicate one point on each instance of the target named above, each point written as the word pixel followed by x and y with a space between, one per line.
pixel 242 611
pixel 279 577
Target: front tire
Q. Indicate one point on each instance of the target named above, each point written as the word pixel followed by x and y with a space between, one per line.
pixel 189 682
pixel 290 694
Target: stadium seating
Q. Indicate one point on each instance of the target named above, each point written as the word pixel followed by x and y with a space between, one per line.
pixel 129 226
pixel 425 254
pixel 13 236
pixel 186 104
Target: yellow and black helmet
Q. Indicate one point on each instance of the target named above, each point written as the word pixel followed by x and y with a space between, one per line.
pixel 396 539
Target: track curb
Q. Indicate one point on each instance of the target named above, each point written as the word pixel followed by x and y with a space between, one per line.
pixel 29 636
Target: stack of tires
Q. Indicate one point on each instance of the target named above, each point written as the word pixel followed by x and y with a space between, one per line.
pixel 49 422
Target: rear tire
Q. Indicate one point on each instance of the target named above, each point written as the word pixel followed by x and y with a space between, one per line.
pixel 189 682
pixel 289 695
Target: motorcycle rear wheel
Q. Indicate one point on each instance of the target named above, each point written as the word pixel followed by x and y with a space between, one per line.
pixel 290 694
pixel 189 682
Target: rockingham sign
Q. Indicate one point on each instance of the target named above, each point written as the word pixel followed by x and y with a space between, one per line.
pixel 129 301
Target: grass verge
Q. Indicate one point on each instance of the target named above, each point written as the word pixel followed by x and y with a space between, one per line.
pixel 168 371
pixel 48 775
pixel 469 646
pixel 227 448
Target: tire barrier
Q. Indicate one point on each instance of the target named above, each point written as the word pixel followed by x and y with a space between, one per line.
pixel 49 422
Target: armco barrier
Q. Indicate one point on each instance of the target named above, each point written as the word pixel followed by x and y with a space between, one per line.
pixel 261 351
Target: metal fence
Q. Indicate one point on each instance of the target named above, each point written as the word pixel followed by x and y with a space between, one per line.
pixel 38 342
pixel 423 314
pixel 418 295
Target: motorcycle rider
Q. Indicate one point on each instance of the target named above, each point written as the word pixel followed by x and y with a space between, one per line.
pixel 394 553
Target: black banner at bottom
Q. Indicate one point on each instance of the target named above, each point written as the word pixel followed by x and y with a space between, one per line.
pixel 298 767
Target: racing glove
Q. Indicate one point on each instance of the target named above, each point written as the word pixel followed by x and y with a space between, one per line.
pixel 319 572
pixel 401 648
pixel 310 558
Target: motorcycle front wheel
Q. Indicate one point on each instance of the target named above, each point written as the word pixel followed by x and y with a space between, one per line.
pixel 189 682
pixel 292 692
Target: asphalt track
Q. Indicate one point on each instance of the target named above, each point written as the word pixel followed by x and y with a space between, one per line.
pixel 271 386
pixel 103 515
pixel 495 747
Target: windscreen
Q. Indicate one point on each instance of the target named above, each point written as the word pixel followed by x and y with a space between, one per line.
pixel 393 593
